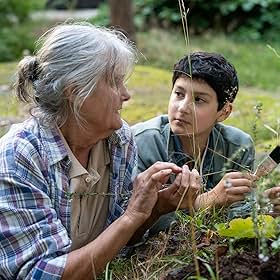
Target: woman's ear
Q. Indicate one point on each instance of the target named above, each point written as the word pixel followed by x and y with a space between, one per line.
pixel 224 112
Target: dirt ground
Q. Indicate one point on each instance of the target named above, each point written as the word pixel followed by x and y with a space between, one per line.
pixel 241 263
pixel 241 266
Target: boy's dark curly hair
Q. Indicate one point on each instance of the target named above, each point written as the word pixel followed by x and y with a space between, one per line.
pixel 212 68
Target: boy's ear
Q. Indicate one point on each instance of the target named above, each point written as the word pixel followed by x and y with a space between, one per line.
pixel 224 112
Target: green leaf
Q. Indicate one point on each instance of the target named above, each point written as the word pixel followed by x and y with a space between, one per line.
pixel 244 228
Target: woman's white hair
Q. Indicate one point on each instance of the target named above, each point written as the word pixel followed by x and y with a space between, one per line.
pixel 71 60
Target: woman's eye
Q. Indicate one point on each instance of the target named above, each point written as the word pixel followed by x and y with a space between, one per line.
pixel 117 85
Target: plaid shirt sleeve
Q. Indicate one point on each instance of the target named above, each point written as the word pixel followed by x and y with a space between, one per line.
pixel 123 170
pixel 33 241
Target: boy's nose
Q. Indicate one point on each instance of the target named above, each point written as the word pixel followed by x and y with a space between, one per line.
pixel 186 106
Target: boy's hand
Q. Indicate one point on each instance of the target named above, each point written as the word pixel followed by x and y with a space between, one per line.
pixel 232 188
pixel 274 195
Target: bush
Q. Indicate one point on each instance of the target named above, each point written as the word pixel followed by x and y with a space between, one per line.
pixel 15 35
pixel 14 42
pixel 13 12
pixel 250 19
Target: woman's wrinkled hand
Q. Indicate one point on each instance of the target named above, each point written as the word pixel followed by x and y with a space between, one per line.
pixel 181 194
pixel 145 190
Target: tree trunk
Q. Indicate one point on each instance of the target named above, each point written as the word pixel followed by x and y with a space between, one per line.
pixel 121 12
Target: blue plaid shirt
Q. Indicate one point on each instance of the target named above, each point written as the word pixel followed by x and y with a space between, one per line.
pixel 35 208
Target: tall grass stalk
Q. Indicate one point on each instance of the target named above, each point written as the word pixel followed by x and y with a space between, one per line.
pixel 183 14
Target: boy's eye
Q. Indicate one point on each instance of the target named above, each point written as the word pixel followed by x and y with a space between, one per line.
pixel 197 99
pixel 179 94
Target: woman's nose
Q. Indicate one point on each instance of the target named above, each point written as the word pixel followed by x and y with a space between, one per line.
pixel 125 96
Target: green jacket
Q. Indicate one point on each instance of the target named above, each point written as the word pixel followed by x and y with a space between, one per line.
pixel 229 149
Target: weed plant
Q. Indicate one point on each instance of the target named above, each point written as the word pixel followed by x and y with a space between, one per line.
pixel 194 237
pixel 193 230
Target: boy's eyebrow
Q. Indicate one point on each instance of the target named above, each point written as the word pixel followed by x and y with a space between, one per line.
pixel 195 92
pixel 179 87
pixel 202 93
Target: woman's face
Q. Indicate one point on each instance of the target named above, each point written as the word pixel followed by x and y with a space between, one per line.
pixel 193 108
pixel 101 110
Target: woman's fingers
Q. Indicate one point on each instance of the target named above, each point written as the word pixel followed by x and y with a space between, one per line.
pixel 195 180
pixel 160 172
pixel 146 186
pixel 160 176
pixel 185 181
pixel 149 189
pixel 158 166
pixel 189 188
pixel 182 192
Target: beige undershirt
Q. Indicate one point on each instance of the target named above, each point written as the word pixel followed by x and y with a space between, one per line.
pixel 89 212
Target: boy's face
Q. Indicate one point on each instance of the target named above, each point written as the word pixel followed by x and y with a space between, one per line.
pixel 193 108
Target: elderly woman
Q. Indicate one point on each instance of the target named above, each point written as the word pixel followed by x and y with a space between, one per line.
pixel 66 173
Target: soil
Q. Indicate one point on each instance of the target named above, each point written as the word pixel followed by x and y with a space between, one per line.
pixel 241 263
pixel 241 266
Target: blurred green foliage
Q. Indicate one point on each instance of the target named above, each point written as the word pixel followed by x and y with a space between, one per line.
pixel 103 16
pixel 248 19
pixel 15 32
pixel 245 20
pixel 14 12
pixel 256 64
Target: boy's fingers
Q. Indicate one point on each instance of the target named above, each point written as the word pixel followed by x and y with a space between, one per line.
pixel 238 190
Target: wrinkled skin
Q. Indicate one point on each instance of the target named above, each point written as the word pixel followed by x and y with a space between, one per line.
pixel 148 195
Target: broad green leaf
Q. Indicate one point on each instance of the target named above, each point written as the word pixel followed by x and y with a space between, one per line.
pixel 244 228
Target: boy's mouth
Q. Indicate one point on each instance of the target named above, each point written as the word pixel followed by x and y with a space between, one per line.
pixel 182 121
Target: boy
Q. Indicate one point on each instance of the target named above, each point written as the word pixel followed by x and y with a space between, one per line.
pixel 204 88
